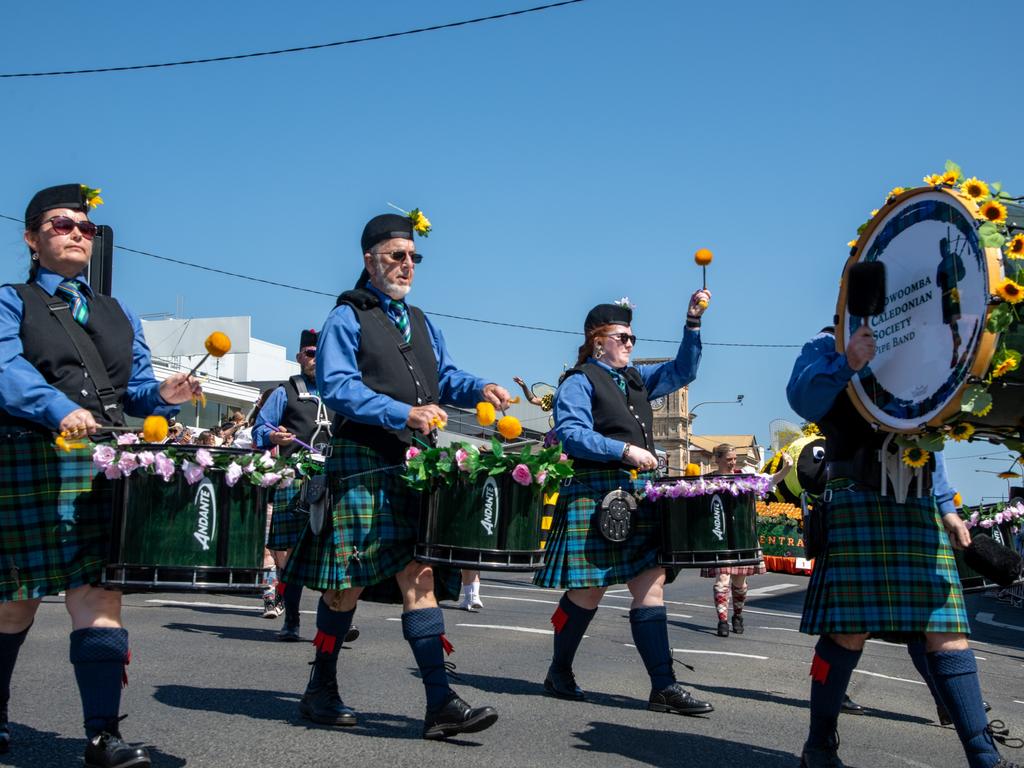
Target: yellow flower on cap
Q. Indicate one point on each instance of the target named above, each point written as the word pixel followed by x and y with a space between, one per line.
pixel 993 211
pixel 420 223
pixel 976 189
pixel 92 196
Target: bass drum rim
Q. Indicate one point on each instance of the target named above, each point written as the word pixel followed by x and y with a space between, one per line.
pixel 986 343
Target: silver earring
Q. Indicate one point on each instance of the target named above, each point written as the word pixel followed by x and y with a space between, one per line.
pixel 598 352
pixel 35 257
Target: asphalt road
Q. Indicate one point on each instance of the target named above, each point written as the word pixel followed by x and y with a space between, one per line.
pixel 210 686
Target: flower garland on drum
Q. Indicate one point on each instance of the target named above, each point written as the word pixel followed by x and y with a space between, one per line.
pixel 705 486
pixel 545 468
pixel 989 202
pixel 989 517
pixel 130 457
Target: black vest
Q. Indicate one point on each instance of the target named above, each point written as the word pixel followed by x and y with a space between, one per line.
pixel 299 416
pixel 403 371
pixel 47 347
pixel 628 417
pixel 846 431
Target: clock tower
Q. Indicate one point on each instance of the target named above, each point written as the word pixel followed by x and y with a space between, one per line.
pixel 671 422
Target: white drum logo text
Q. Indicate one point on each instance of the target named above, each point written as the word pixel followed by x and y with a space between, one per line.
pixel 490 518
pixel 206 514
pixel 718 516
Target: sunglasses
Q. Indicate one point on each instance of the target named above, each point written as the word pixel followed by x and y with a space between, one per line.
pixel 311 352
pixel 63 225
pixel 397 257
pixel 622 338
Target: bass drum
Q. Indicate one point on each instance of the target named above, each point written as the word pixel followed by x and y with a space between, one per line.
pixel 808 473
pixel 932 339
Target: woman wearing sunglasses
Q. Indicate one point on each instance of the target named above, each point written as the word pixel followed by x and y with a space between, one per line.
pixel 604 419
pixel 55 509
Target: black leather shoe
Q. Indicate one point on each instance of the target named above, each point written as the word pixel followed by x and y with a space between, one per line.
pixel 822 757
pixel 5 731
pixel 289 633
pixel 737 625
pixel 107 750
pixel 563 685
pixel 323 705
pixel 850 707
pixel 723 629
pixel 945 719
pixel 352 635
pixel 678 700
pixel 456 716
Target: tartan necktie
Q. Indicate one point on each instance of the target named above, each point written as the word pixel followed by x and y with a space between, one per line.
pixel 399 315
pixel 71 292
pixel 619 378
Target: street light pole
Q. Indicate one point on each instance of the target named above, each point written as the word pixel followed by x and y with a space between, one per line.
pixel 691 417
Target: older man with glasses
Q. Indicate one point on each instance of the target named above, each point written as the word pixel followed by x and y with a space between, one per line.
pixel 385 369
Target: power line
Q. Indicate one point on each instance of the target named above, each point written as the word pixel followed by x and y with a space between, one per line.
pixel 299 49
pixel 302 289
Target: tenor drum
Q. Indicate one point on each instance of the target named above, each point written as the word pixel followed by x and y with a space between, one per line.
pixel 707 531
pixel 176 537
pixel 490 524
pixel 932 339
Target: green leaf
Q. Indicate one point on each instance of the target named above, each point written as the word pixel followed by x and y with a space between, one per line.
pixel 496 448
pixel 996 187
pixel 951 166
pixel 975 400
pixel 1014 444
pixel 999 319
pixel 991 239
pixel 932 442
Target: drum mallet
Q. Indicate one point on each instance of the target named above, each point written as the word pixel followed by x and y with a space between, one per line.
pixel 307 446
pixel 217 344
pixel 865 291
pixel 703 257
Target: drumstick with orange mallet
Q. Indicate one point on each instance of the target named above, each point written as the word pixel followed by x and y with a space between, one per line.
pixel 703 257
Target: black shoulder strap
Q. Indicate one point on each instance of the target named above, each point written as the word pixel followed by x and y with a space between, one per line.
pixel 300 385
pixel 84 345
pixel 360 298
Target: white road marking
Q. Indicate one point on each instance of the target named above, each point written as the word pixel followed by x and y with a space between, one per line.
pixel 990 619
pixel 762 591
pixel 1018 701
pixel 889 677
pixel 615 591
pixel 197 604
pixel 711 653
pixel 530 630
pixel 555 602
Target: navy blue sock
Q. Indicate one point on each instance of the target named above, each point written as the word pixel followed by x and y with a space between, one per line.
pixel 570 622
pixel 424 629
pixel 99 656
pixel 831 671
pixel 10 644
pixel 919 655
pixel 650 633
pixel 292 596
pixel 331 628
pixel 956 677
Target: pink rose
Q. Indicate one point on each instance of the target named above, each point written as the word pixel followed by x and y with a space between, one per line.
pixel 249 468
pixel 266 460
pixel 112 472
pixel 163 466
pixel 103 456
pixel 146 458
pixel 462 459
pixel 204 458
pixel 193 472
pixel 128 463
pixel 127 438
pixel 541 477
pixel 232 474
pixel 563 457
pixel 412 452
pixel 521 474
pixel 269 479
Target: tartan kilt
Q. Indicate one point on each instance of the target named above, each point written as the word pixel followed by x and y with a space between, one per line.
pixel 887 568
pixel 578 556
pixel 55 512
pixel 286 522
pixel 735 570
pixel 373 529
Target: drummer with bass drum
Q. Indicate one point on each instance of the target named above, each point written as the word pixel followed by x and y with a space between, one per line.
pixel 73 361
pixel 600 535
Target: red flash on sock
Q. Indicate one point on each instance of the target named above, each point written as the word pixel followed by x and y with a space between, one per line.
pixel 449 649
pixel 558 619
pixel 819 669
pixel 279 588
pixel 124 672
pixel 324 643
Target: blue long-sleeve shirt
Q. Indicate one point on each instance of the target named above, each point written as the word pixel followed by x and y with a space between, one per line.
pixel 819 375
pixel 270 414
pixel 341 384
pixel 24 392
pixel 574 417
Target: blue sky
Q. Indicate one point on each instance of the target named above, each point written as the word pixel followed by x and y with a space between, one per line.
pixel 565 158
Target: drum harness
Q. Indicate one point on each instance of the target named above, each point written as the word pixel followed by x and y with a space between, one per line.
pixel 314 496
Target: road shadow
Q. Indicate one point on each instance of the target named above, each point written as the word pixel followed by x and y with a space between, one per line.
pixel 251 634
pixel 225 611
pixel 519 687
pixel 663 748
pixel 281 707
pixel 31 748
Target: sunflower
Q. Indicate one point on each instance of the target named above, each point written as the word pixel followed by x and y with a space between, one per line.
pixel 874 213
pixel 895 192
pixel 852 244
pixel 976 189
pixel 1008 475
pixel 961 432
pixel 92 196
pixel 1009 291
pixel 993 211
pixel 1004 367
pixel 1015 248
pixel 984 411
pixel 420 222
pixel 933 180
pixel 915 457
pixel 951 177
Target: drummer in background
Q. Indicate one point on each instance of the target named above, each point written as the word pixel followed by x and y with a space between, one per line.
pixel 914 592
pixel 55 509
pixel 386 371
pixel 724 456
pixel 292 412
pixel 604 419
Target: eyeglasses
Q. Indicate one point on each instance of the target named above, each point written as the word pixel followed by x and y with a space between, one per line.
pixel 311 352
pixel 397 257
pixel 63 225
pixel 622 338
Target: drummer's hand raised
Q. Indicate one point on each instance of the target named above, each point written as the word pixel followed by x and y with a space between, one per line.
pixel 180 388
pixel 641 458
pixel 497 396
pixel 424 418
pixel 861 349
pixel 699 302
pixel 78 423
pixel 958 533
pixel 281 436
